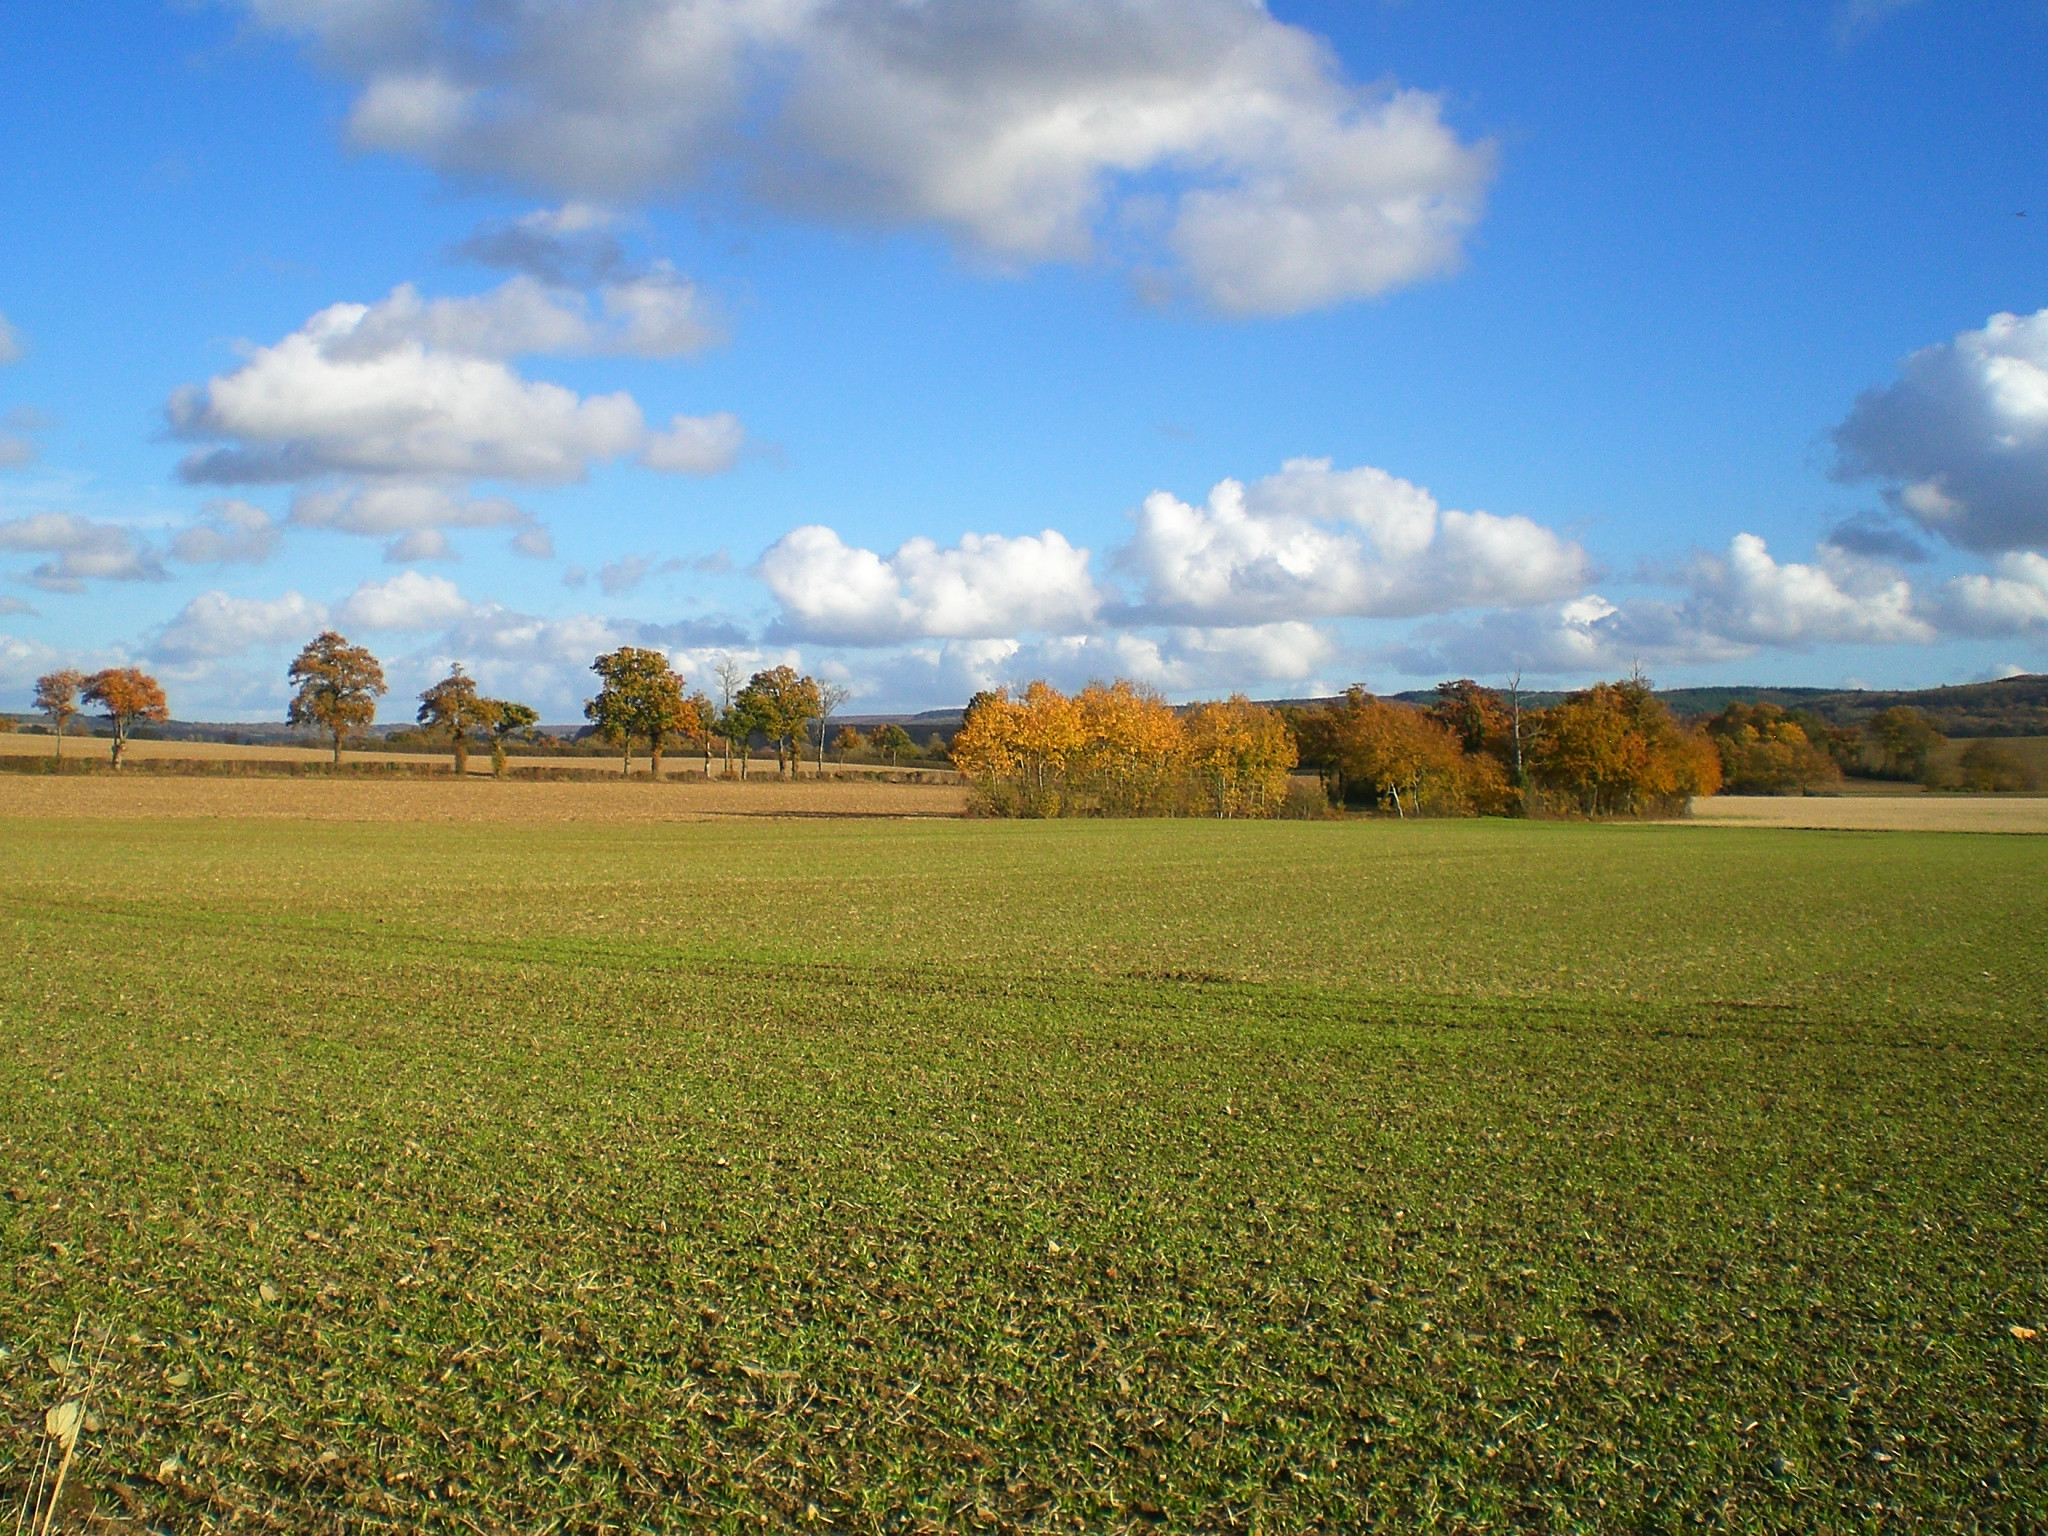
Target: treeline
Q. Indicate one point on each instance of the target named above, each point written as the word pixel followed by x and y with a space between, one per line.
pixel 1119 749
pixel 1609 750
pixel 1766 749
pixel 642 704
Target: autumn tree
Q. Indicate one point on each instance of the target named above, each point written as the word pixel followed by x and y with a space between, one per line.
pixel 1905 742
pixel 1241 753
pixel 890 741
pixel 1474 715
pixel 1765 751
pixel 125 696
pixel 730 675
pixel 642 696
pixel 848 740
pixel 338 687
pixel 782 704
pixel 1613 749
pixel 504 720
pixel 454 706
pixel 57 700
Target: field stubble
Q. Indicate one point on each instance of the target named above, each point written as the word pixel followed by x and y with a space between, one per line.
pixel 971 1176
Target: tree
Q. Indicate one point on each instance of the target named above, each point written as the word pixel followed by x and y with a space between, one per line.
pixel 890 741
pixel 703 717
pixel 57 698
pixel 452 705
pixel 1472 714
pixel 1241 752
pixel 830 697
pixel 1989 766
pixel 642 696
pixel 729 673
pixel 1613 749
pixel 504 719
pixel 1765 751
pixel 1905 741
pixel 848 740
pixel 338 687
pixel 780 704
pixel 125 696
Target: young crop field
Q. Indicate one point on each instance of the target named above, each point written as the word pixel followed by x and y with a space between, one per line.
pixel 937 1175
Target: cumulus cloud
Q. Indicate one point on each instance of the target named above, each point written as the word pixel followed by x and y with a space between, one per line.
pixel 407 601
pixel 1316 542
pixel 214 624
pixel 11 345
pixel 567 247
pixel 11 605
pixel 1959 442
pixel 1875 538
pixel 984 586
pixel 1029 130
pixel 407 388
pixel 2011 599
pixel 1734 605
pixel 16 450
pixel 233 532
pixel 413 514
pixel 656 313
pixel 17 446
pixel 84 550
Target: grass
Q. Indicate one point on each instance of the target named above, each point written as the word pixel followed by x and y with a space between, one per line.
pixel 1075 1176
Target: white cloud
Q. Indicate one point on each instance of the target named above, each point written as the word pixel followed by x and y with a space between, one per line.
pixel 1027 129
pixel 11 605
pixel 234 532
pixel 214 624
pixel 314 404
pixel 1750 599
pixel 414 389
pixel 408 600
pixel 1735 605
pixel 16 451
pixel 984 586
pixel 1853 18
pixel 10 343
pixel 1316 542
pixel 623 575
pixel 381 508
pixel 2013 600
pixel 696 445
pixel 85 551
pixel 1960 441
pixel 656 313
pixel 536 543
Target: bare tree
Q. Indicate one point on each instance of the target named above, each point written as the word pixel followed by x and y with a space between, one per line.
pixel 732 677
pixel 830 697
pixel 1515 715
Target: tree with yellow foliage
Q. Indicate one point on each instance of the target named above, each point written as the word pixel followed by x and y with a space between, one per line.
pixel 1239 754
pixel 1613 749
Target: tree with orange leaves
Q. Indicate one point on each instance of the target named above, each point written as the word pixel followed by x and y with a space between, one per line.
pixel 1240 754
pixel 125 696
pixel 1613 749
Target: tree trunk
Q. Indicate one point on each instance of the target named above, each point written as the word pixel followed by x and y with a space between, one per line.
pixel 60 741
pixel 120 741
pixel 497 759
pixel 461 757
pixel 337 748
pixel 654 758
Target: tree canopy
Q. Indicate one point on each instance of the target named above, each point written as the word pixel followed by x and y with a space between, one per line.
pixel 455 707
pixel 641 696
pixel 125 696
pixel 779 703
pixel 57 700
pixel 338 687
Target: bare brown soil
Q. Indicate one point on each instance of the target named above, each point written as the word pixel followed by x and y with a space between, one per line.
pixel 1920 812
pixel 163 796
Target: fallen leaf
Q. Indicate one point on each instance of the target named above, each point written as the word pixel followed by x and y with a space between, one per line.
pixel 2023 1333
pixel 167 1469
pixel 179 1378
pixel 64 1421
pixel 269 1292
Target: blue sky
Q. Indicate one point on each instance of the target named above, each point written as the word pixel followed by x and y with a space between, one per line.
pixel 933 345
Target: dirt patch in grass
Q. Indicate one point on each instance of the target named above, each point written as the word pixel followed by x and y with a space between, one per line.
pixel 155 796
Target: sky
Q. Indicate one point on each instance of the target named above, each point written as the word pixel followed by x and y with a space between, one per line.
pixel 934 345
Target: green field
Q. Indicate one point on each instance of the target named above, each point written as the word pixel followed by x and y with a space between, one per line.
pixel 963 1176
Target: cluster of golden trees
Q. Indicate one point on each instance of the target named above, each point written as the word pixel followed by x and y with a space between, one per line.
pixel 1609 750
pixel 1119 749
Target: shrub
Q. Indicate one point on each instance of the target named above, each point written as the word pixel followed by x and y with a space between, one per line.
pixel 1989 766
